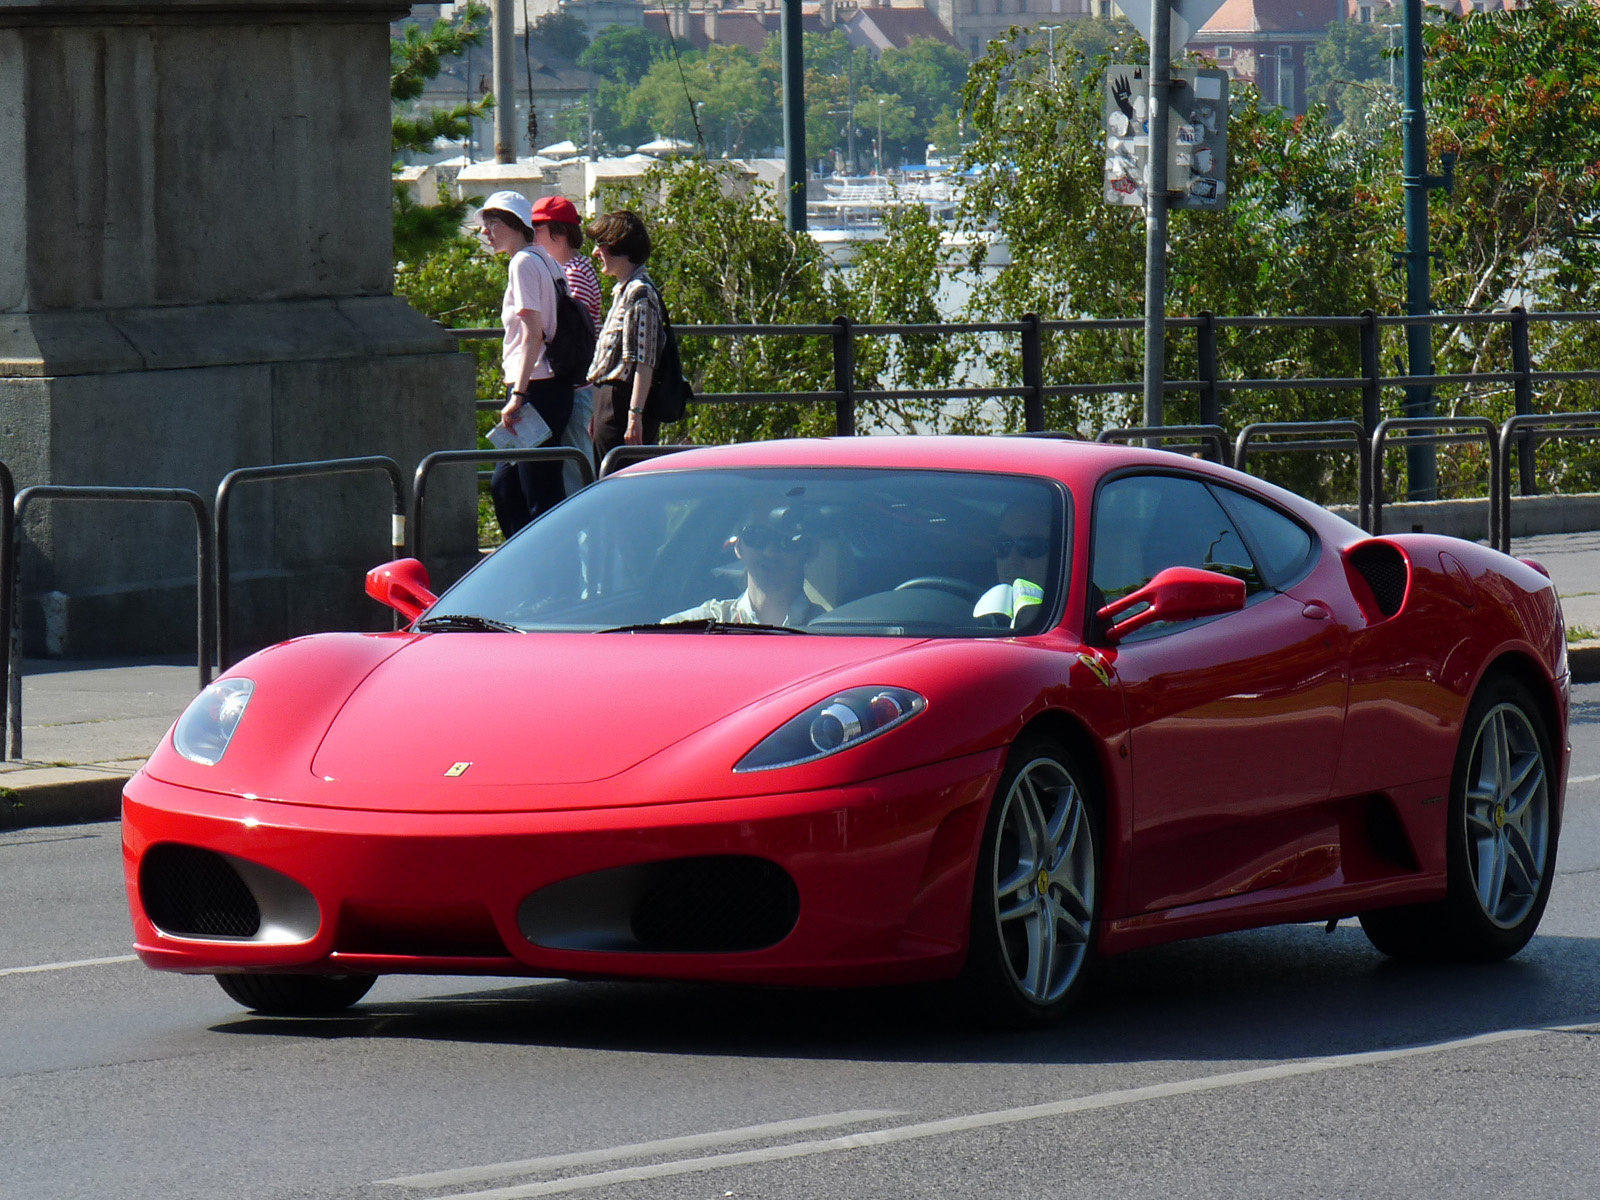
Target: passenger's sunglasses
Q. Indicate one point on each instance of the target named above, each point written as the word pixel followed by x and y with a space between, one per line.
pixel 765 541
pixel 1028 547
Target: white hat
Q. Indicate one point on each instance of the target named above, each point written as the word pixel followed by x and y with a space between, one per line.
pixel 514 203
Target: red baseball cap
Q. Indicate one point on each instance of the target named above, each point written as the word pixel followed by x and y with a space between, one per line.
pixel 555 208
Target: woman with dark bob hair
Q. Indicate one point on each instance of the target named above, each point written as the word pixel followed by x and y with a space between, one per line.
pixel 632 339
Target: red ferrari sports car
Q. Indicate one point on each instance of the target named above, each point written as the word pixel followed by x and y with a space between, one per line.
pixel 872 710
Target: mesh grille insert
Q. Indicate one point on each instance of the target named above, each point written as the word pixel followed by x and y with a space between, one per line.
pixel 721 903
pixel 1384 569
pixel 196 893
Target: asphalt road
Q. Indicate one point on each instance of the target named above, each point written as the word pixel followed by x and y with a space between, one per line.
pixel 1277 1063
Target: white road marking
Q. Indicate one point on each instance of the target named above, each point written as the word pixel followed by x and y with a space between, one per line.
pixel 696 1141
pixel 67 966
pixel 1582 778
pixel 1009 1116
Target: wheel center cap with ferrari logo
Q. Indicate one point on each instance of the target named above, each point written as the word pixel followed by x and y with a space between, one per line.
pixel 1043 882
pixel 1499 816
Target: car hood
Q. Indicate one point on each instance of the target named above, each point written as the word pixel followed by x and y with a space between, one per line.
pixel 547 710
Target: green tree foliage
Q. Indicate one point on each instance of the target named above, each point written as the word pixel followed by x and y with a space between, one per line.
pixel 623 53
pixel 1300 236
pixel 1348 72
pixel 415 57
pixel 561 33
pixel 721 255
pixel 1516 95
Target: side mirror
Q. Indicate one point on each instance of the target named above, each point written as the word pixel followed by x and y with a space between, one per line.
pixel 1176 594
pixel 403 586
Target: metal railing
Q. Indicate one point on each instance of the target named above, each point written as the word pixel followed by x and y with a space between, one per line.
pixel 1434 431
pixel 12 576
pixel 625 456
pixel 845 390
pixel 327 466
pixel 439 458
pixel 1527 432
pixel 1330 435
pixel 1213 437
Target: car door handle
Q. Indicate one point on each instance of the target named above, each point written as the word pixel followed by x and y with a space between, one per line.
pixel 1316 610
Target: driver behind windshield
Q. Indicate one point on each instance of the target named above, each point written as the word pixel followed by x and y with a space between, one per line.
pixel 1021 548
pixel 773 547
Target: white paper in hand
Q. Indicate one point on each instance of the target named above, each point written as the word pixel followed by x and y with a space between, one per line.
pixel 528 429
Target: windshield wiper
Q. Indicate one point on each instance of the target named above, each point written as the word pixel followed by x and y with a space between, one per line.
pixel 463 623
pixel 703 625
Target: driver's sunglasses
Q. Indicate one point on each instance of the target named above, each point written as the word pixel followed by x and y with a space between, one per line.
pixel 1028 547
pixel 765 541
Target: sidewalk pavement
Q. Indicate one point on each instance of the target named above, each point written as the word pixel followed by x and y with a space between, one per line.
pixel 88 726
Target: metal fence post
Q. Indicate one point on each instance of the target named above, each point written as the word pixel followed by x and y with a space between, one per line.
pixel 1522 364
pixel 1371 373
pixel 1206 359
pixel 844 376
pixel 1032 374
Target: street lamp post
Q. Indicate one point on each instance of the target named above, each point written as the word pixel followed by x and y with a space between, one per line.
pixel 878 170
pixel 1051 31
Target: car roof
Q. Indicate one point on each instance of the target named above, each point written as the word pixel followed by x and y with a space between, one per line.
pixel 1069 460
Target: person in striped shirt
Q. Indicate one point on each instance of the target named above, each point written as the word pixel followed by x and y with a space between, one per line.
pixel 632 339
pixel 557 232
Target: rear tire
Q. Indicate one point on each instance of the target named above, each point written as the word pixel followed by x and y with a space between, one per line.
pixel 1036 899
pixel 1500 840
pixel 296 995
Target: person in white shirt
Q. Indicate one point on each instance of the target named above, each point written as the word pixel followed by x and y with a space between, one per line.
pixel 773 547
pixel 521 491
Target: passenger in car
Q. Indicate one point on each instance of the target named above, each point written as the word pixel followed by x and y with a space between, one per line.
pixel 1021 562
pixel 773 547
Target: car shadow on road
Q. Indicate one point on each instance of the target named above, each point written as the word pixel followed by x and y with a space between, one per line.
pixel 1287 992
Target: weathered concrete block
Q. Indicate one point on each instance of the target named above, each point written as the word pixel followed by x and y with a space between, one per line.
pixel 195 275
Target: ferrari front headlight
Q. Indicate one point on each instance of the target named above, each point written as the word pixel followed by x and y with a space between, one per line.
pixel 837 723
pixel 207 726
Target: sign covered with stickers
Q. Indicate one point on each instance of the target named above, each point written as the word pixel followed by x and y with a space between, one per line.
pixel 1197 141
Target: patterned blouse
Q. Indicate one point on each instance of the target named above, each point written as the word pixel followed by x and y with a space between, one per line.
pixel 632 336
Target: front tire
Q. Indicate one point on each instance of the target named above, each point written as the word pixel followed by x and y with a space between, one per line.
pixel 296 995
pixel 1036 899
pixel 1501 834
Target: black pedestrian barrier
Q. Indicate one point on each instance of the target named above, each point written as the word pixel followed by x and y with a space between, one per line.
pixel 625 456
pixel 8 517
pixel 425 468
pixel 1525 431
pixel 1347 435
pixel 1213 436
pixel 327 466
pixel 1445 431
pixel 13 557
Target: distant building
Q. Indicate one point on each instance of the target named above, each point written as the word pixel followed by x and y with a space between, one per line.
pixel 1265 42
pixel 973 24
pixel 702 23
pixel 880 27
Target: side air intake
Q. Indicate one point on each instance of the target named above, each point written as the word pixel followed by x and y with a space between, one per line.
pixel 1386 574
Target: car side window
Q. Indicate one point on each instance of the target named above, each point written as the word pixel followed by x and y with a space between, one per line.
pixel 1283 547
pixel 1147 523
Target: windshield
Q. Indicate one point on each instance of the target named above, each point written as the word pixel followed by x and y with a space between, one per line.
pixel 885 553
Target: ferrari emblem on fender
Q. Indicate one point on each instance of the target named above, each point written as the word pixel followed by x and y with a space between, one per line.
pixel 457 769
pixel 1096 668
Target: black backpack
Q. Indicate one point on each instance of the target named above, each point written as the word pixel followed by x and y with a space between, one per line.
pixel 670 392
pixel 571 349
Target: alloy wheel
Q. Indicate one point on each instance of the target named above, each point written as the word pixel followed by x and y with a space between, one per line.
pixel 1044 880
pixel 1507 815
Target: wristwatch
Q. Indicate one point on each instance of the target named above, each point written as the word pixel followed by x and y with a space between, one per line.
pixel 640 411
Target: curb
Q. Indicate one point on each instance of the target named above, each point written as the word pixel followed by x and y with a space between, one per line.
pixel 60 796
pixel 1583 661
